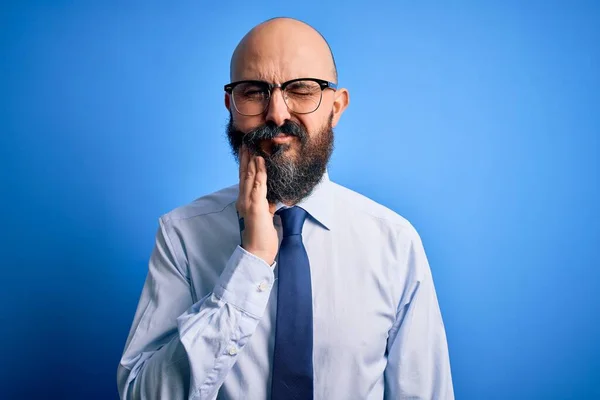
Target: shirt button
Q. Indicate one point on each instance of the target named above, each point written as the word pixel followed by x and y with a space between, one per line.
pixel 264 285
pixel 232 350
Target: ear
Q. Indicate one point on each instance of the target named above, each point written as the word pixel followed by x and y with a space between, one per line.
pixel 340 103
pixel 228 102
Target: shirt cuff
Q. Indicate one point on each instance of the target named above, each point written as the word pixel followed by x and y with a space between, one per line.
pixel 246 282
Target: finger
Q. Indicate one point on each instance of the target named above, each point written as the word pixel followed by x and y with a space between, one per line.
pixel 259 192
pixel 243 162
pixel 248 181
pixel 241 176
pixel 242 201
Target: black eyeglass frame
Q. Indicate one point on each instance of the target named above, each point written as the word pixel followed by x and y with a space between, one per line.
pixel 324 84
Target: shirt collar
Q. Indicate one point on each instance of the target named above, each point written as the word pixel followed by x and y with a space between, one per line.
pixel 319 204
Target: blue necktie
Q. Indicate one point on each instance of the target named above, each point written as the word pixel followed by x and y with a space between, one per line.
pixel 292 358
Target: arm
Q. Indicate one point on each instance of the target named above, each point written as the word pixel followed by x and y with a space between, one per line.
pixel 177 349
pixel 418 361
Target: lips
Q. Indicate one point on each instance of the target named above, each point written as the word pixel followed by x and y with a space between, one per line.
pixel 282 138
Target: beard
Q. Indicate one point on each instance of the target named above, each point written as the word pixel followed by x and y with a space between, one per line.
pixel 290 177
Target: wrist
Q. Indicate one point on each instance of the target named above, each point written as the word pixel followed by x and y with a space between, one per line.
pixel 265 256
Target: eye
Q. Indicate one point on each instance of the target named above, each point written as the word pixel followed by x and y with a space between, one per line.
pixel 251 92
pixel 303 88
pixel 255 91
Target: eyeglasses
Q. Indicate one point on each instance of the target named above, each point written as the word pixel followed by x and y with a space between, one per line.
pixel 302 96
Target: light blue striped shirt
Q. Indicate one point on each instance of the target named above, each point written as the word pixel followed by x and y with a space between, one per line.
pixel 204 326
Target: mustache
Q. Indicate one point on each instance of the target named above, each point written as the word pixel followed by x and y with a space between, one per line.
pixel 270 130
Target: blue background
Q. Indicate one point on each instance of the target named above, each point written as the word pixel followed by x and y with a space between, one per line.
pixel 477 121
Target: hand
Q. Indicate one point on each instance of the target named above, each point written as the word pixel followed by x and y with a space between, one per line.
pixel 259 236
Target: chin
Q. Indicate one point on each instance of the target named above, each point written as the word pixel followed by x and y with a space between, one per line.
pixel 274 149
pixel 285 149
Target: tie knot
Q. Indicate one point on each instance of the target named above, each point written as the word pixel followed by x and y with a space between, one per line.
pixel 292 220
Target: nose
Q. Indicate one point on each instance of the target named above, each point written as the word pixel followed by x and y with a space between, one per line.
pixel 277 112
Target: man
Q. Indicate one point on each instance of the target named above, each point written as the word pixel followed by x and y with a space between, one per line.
pixel 286 286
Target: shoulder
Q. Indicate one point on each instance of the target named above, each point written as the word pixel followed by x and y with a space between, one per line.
pixel 366 209
pixel 210 204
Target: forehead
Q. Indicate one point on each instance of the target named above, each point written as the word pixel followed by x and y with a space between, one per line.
pixel 274 60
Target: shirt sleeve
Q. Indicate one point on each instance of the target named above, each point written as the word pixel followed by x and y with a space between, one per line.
pixel 177 349
pixel 418 360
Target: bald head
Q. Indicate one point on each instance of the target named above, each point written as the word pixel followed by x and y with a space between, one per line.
pixel 281 49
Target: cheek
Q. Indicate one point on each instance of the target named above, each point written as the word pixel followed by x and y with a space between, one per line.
pixel 310 122
pixel 246 124
pixel 315 122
